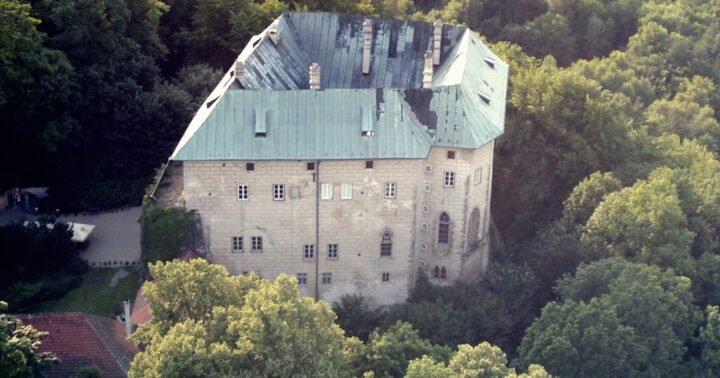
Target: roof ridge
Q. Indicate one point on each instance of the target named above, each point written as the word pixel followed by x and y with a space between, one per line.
pixel 104 340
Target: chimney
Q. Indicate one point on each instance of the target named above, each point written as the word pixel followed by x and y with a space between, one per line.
pixel 239 69
pixel 367 44
pixel 274 36
pixel 128 322
pixel 428 71
pixel 314 76
pixel 437 38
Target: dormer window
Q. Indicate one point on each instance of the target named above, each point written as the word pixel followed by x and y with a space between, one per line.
pixel 484 98
pixel 490 62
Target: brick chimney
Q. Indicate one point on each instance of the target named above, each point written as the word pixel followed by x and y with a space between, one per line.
pixel 274 36
pixel 239 69
pixel 367 44
pixel 314 76
pixel 437 39
pixel 428 71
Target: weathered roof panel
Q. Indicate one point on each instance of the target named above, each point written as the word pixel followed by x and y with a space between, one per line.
pixel 465 108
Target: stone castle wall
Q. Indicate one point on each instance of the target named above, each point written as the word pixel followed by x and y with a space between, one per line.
pixel 356 225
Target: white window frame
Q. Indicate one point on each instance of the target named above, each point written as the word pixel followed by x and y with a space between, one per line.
pixel 426 209
pixel 237 244
pixel 390 189
pixel 332 252
pixel 423 245
pixel 278 192
pixel 327 278
pixel 428 188
pixel 243 192
pixel 309 251
pixel 425 227
pixel 386 277
pixel 301 278
pixel 257 244
pixel 428 168
pixel 326 191
pixel 478 176
pixel 346 191
pixel 449 179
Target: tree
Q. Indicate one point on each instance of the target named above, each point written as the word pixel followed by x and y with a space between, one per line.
pixel 481 361
pixel 710 341
pixel 568 127
pixel 588 194
pixel 207 323
pixel 388 353
pixel 19 345
pixel 643 223
pixel 615 318
pixel 356 317
pixel 548 34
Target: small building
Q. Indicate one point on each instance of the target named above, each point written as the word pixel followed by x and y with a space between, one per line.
pixel 80 340
pixel 349 152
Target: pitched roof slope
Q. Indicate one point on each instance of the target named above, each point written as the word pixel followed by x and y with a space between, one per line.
pixel 267 112
pixel 80 340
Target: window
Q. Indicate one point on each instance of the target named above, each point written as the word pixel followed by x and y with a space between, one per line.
pixel 257 243
pixel 490 61
pixel 386 244
pixel 426 209
pixel 250 166
pixel 237 244
pixel 425 227
pixel 386 277
pixel 245 273
pixel 478 175
pixel 369 164
pixel 390 189
pixel 308 251
pixel 346 191
pixel 242 192
pixel 278 192
pixel 449 180
pixel 302 278
pixel 428 168
pixel 326 191
pixel 436 272
pixel 484 98
pixel 451 154
pixel 423 245
pixel 332 251
pixel 326 278
pixel 311 166
pixel 443 273
pixel 428 188
pixel 444 229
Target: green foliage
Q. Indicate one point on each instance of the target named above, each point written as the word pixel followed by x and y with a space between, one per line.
pixel 89 372
pixel 164 232
pixel 481 361
pixel 548 34
pixel 498 307
pixel 37 263
pixel 19 345
pixel 568 127
pixel 208 323
pixel 356 317
pixel 643 223
pixel 615 318
pixel 389 353
pixel 587 195
pixel 710 340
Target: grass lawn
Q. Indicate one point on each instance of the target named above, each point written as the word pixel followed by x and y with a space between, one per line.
pixel 96 295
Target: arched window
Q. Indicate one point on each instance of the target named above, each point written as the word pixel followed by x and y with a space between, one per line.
pixel 474 229
pixel 386 244
pixel 444 229
pixel 443 273
pixel 436 272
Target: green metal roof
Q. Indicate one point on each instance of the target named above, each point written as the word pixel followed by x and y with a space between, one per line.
pixel 269 114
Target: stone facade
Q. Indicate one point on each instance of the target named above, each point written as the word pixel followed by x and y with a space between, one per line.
pixel 357 225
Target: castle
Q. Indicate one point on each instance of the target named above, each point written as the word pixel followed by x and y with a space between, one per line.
pixel 349 152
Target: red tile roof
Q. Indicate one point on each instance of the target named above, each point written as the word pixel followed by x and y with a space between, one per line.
pixel 80 340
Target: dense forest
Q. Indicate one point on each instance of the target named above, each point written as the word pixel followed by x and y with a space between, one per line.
pixel 606 185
